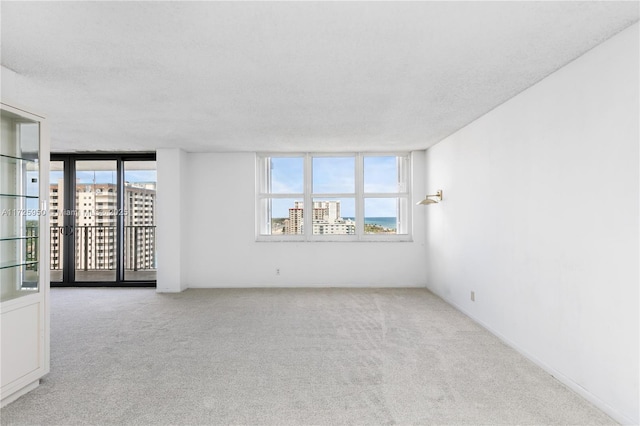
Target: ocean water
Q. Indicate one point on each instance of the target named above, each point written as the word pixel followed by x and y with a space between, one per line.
pixel 385 222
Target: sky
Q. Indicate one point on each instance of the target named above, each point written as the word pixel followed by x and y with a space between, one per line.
pixel 335 175
pixel 87 177
pixel 111 176
pixel 330 175
pixel 107 176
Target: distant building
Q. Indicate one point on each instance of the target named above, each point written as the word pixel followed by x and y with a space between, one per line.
pixel 140 221
pixel 96 216
pixel 295 224
pixel 326 219
pixel 56 221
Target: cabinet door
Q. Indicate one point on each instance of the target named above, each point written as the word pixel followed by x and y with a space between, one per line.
pixel 20 211
pixel 24 256
pixel 20 343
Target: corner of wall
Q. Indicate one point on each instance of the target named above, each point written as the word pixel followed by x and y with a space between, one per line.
pixel 184 188
pixel 171 166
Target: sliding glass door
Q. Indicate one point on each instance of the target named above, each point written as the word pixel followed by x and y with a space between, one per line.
pixel 57 224
pixel 96 216
pixel 140 220
pixel 103 219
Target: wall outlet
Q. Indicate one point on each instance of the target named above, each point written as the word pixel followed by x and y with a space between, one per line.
pixel 473 296
pixel 277 271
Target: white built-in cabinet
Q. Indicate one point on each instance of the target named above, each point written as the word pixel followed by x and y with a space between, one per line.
pixel 24 252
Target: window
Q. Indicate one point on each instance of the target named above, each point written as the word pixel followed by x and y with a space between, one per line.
pixel 338 197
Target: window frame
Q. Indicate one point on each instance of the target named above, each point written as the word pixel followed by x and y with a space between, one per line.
pixel 263 198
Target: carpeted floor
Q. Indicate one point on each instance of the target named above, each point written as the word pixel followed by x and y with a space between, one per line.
pixel 284 356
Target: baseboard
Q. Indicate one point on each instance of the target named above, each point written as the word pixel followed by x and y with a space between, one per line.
pixel 169 290
pixel 565 380
pixel 309 285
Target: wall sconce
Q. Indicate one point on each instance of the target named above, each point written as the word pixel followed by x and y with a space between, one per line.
pixel 431 199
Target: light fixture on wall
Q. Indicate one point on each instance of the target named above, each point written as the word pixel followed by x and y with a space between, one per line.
pixel 431 199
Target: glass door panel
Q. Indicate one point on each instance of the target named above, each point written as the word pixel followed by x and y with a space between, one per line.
pixel 102 221
pixel 57 215
pixel 140 220
pixel 96 217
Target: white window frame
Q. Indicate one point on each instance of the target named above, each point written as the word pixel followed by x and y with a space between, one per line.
pixel 404 217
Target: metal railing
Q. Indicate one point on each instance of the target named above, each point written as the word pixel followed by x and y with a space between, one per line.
pixel 31 248
pixel 139 248
pixel 96 247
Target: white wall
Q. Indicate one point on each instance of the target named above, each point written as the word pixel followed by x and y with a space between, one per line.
pixel 218 245
pixel 540 219
pixel 171 165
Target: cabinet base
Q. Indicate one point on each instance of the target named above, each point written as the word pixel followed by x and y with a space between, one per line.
pixel 31 386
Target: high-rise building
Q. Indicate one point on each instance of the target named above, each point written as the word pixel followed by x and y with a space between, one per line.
pixel 326 219
pixel 295 224
pixel 95 232
pixel 140 221
pixel 56 221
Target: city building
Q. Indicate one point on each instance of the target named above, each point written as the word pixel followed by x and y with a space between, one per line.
pixel 327 219
pixel 95 216
pixel 56 223
pixel 294 225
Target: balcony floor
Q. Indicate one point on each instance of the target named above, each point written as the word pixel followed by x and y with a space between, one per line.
pixel 106 275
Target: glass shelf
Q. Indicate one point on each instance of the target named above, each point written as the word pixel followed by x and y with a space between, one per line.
pixel 16 238
pixel 19 205
pixel 11 159
pixel 33 197
pixel 20 177
pixel 15 263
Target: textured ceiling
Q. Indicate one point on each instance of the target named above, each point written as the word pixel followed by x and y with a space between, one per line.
pixel 292 76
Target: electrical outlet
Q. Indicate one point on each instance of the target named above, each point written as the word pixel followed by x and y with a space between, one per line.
pixel 473 296
pixel 277 271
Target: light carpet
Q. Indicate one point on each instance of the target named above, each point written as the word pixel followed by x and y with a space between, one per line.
pixel 284 357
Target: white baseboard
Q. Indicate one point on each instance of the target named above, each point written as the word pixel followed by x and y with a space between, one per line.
pixel 31 386
pixel 599 403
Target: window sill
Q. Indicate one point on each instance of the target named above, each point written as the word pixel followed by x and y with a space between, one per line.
pixel 316 239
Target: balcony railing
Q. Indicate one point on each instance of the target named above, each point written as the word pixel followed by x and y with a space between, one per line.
pixel 140 248
pixel 96 247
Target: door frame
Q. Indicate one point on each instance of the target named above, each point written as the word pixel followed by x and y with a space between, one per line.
pixel 69 246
